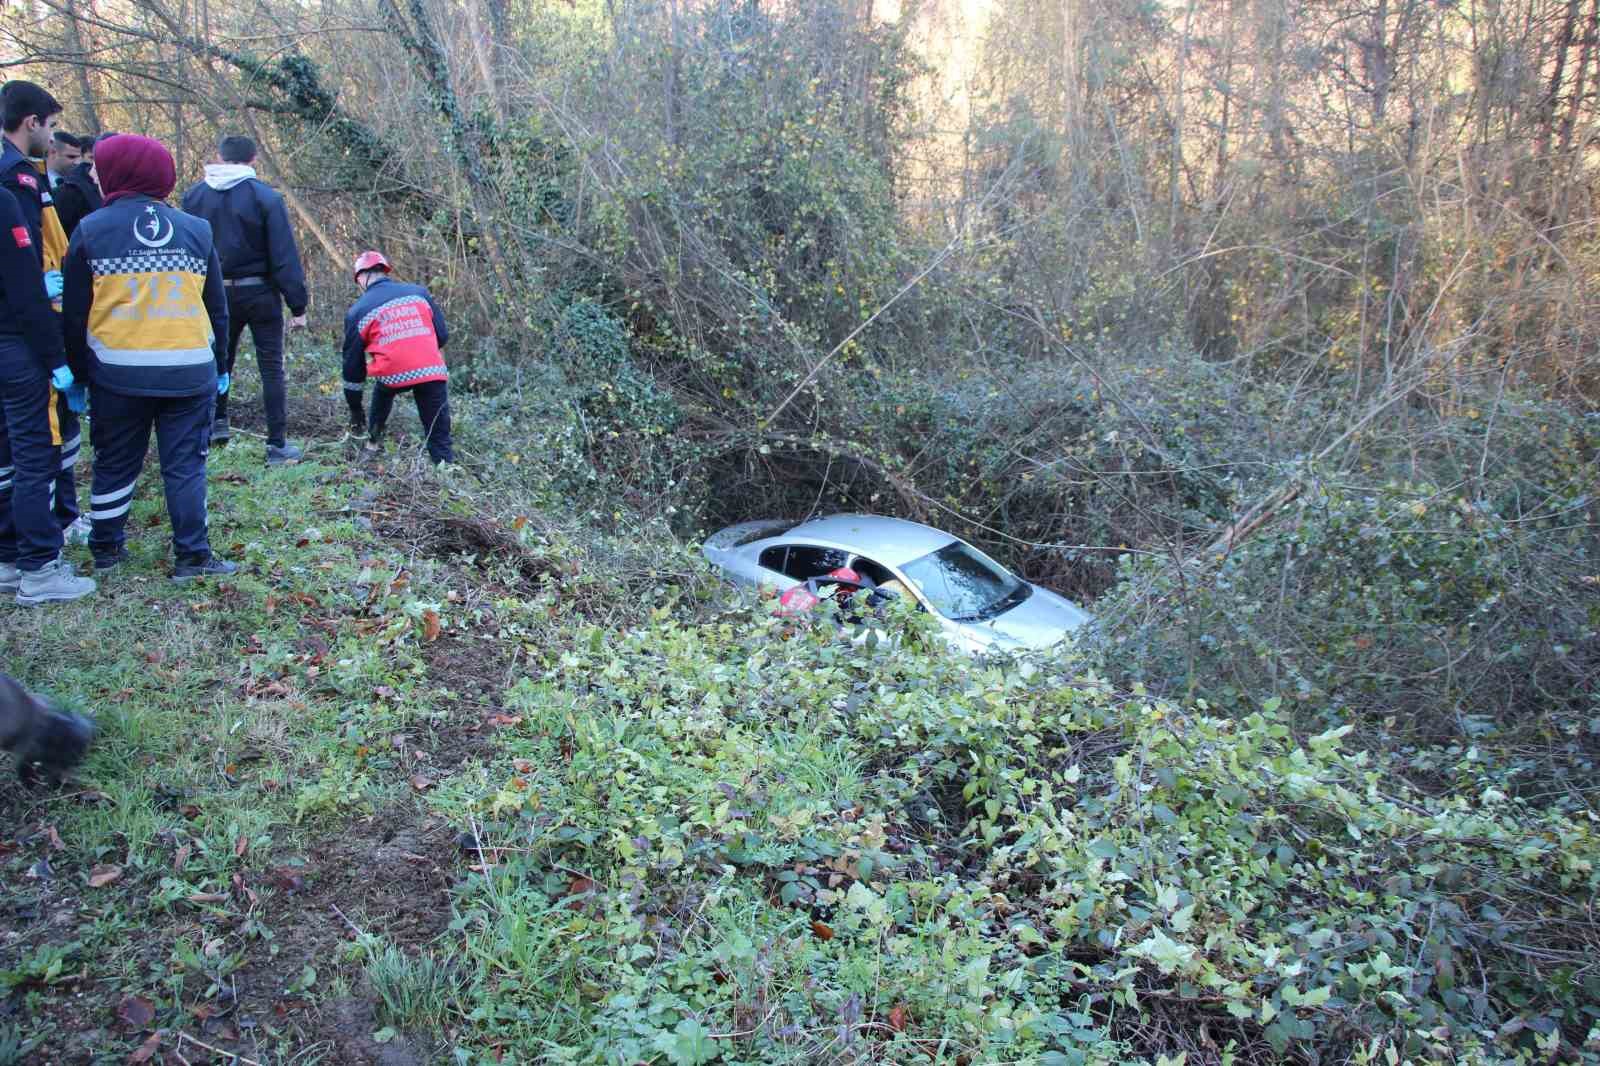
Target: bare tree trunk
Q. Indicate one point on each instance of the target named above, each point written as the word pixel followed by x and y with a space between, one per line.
pixel 79 38
pixel 422 42
pixel 483 47
pixel 1175 164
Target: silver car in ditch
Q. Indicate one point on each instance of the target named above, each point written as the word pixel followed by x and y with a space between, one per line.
pixel 981 606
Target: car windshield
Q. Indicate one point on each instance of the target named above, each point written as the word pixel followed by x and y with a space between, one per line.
pixel 964 586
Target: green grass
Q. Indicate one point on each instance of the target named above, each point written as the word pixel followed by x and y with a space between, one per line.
pixel 695 833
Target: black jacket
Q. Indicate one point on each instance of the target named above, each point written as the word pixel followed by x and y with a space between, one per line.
pixel 22 179
pixel 76 196
pixel 250 226
pixel 27 311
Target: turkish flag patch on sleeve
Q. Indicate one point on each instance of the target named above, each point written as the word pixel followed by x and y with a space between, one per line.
pixel 20 235
pixel 29 180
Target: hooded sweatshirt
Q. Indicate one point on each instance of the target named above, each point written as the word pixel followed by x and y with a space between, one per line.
pixel 224 176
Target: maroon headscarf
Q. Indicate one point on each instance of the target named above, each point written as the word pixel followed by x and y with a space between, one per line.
pixel 131 165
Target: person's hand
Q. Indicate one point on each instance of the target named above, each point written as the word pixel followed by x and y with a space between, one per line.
pixel 53 284
pixel 297 322
pixel 77 399
pixel 223 381
pixel 61 378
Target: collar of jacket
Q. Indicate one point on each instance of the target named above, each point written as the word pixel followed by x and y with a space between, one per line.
pixel 378 281
pixel 134 201
pixel 10 156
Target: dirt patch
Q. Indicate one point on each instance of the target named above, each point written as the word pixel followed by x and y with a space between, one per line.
pixel 351 1024
pixel 474 672
pixel 387 876
pixel 311 415
pixel 415 516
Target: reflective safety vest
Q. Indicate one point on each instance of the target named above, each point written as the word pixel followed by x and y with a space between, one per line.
pixel 146 313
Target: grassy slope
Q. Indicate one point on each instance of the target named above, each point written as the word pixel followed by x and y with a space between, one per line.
pixel 692 835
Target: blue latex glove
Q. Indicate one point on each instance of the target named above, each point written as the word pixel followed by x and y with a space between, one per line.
pixel 61 378
pixel 78 399
pixel 223 381
pixel 53 284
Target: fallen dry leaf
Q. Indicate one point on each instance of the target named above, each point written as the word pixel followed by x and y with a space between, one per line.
pixel 421 782
pixel 898 1018
pixel 104 874
pixel 822 930
pixel 209 897
pixel 180 860
pixel 288 881
pixel 239 846
pixel 146 1050
pixel 522 766
pixel 430 625
pixel 136 1012
pixel 54 838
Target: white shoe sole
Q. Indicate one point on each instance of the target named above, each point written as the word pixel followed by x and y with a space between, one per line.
pixel 40 601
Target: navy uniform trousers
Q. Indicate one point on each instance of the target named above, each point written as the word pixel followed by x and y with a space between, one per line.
pixel 31 461
pixel 119 428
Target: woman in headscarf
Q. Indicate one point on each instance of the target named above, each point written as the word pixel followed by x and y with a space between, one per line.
pixel 146 323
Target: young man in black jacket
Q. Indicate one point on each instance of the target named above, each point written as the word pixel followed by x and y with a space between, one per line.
pixel 261 270
pixel 78 194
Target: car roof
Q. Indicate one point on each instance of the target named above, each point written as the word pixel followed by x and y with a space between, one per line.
pixel 890 541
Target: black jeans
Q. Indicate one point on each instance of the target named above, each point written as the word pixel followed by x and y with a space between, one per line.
pixel 261 308
pixel 433 408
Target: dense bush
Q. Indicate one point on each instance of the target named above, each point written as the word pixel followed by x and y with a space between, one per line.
pixel 734 841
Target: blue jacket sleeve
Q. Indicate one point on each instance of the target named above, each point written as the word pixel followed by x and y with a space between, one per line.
pixel 23 282
pixel 355 353
pixel 287 273
pixel 77 298
pixel 440 329
pixel 216 298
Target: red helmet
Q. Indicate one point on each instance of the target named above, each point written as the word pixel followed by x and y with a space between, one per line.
pixel 371 261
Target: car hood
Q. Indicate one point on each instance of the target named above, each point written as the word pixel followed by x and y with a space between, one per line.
pixel 1037 622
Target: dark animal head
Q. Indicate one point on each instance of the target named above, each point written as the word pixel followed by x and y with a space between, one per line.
pixel 55 743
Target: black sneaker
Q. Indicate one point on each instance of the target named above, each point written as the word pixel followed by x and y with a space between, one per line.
pixel 212 567
pixel 283 454
pixel 221 433
pixel 358 425
pixel 109 560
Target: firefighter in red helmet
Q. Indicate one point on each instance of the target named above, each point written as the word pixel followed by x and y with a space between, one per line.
pixel 393 334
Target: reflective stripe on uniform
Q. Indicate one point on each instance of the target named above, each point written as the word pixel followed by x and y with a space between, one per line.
pixel 69 452
pixel 355 386
pixel 113 504
pixel 409 376
pixel 55 418
pixel 133 357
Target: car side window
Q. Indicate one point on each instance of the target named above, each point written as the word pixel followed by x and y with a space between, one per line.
pixel 806 561
pixel 773 558
pixel 873 572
